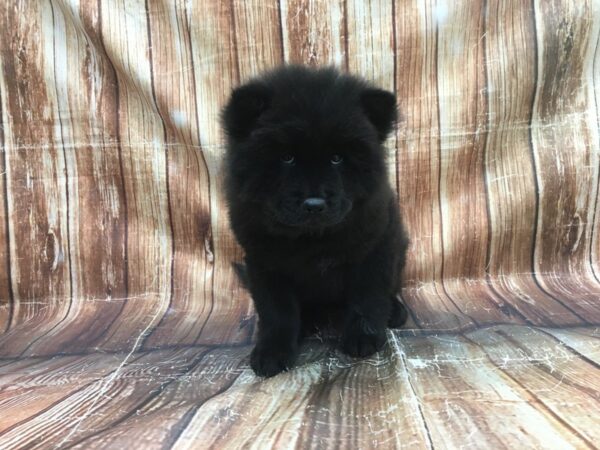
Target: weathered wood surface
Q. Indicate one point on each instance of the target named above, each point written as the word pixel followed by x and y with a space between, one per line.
pixel 116 250
pixel 499 387
pixel 114 230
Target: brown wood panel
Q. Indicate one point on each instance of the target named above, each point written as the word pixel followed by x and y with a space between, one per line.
pixel 216 72
pixel 565 143
pixel 174 93
pixel 511 72
pixel 6 300
pixel 36 172
pixel 462 195
pixel 95 190
pixel 419 166
pixel 143 161
pixel 247 21
pixel 313 32
pixel 370 54
pixel 595 82
pixel 257 21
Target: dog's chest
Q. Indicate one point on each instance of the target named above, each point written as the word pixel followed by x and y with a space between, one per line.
pixel 324 274
pixel 320 270
pixel 316 267
pixel 324 264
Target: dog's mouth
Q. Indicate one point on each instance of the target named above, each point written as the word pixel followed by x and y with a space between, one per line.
pixel 300 220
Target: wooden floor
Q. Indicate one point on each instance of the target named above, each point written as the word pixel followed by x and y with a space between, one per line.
pixel 500 387
pixel 122 323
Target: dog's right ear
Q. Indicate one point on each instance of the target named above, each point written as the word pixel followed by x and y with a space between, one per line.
pixel 245 106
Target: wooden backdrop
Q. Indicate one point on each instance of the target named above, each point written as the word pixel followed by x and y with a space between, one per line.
pixel 115 251
pixel 113 232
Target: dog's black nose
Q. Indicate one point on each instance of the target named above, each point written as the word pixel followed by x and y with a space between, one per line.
pixel 314 205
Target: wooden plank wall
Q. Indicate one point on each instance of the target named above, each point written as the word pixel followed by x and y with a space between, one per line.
pixel 113 231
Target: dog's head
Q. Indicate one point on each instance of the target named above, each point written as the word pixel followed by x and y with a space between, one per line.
pixel 304 146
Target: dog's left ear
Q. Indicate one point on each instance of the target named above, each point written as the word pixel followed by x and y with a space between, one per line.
pixel 245 106
pixel 380 108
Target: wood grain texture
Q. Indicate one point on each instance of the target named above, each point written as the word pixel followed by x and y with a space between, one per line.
pixel 565 142
pixel 461 73
pixel 36 174
pixel 510 165
pixel 313 32
pixel 419 166
pixel 440 391
pixel 370 40
pixel 121 318
pixel 118 236
pixel 187 175
pixel 216 72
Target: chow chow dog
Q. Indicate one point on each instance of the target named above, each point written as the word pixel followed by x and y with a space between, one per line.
pixel 310 203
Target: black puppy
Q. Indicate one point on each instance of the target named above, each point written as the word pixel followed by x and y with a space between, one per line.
pixel 310 203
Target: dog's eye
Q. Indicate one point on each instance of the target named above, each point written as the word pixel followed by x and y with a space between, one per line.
pixel 336 159
pixel 288 159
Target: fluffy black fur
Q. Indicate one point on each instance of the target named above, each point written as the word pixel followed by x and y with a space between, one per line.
pixel 310 203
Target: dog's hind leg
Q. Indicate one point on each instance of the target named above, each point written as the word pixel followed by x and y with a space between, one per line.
pixel 398 315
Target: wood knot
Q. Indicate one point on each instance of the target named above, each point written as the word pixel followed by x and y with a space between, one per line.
pixel 52 251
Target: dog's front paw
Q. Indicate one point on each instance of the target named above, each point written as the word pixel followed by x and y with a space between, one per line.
pixel 360 343
pixel 267 361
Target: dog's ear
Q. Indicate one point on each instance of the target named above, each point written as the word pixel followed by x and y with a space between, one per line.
pixel 380 108
pixel 245 106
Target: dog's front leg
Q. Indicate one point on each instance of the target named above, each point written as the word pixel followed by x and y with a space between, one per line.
pixel 278 323
pixel 368 307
